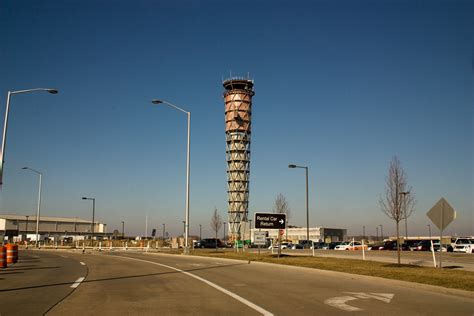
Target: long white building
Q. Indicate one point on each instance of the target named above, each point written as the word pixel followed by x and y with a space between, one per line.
pixel 24 226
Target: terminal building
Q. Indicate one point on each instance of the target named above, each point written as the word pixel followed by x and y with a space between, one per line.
pixel 23 227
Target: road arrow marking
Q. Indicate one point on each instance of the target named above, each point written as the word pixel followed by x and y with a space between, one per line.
pixel 384 297
pixel 340 301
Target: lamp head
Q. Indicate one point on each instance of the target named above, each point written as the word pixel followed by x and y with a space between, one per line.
pixel 291 166
pixel 52 91
pixel 24 168
pixel 156 101
pixel 84 198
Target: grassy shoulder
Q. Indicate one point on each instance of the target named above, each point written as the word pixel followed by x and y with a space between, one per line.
pixel 456 279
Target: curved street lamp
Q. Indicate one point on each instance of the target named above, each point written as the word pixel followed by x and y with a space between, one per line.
pixel 39 201
pixel 7 110
pixel 186 225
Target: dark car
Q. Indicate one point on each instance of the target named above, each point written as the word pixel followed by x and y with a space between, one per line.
pixel 333 244
pixel 210 243
pixel 392 245
pixel 424 245
pixel 305 243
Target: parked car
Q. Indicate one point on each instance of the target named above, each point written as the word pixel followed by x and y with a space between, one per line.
pixel 320 245
pixel 305 243
pixel 392 245
pixel 353 245
pixel 464 245
pixel 376 247
pixel 284 245
pixel 424 245
pixel 210 243
pixel 333 244
pixel 296 246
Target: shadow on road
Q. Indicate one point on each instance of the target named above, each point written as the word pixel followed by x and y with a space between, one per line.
pixel 117 278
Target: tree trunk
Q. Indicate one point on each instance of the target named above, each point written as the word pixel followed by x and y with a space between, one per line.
pixel 216 240
pixel 398 242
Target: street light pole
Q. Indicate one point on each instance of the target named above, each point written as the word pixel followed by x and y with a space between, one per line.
pixel 381 231
pixel 405 210
pixel 377 229
pixel 224 231
pixel 307 202
pixel 39 201
pixel 156 101
pixel 93 215
pixel 123 229
pixel 5 124
pixel 200 232
pixel 164 233
pixel 429 230
pixel 26 232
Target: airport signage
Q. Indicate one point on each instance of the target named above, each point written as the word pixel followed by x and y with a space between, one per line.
pixel 270 221
pixel 259 238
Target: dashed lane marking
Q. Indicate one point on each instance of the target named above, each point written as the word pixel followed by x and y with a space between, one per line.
pixel 78 281
pixel 83 263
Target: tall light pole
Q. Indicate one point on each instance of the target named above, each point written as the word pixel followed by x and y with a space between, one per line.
pixel 377 229
pixel 381 231
pixel 164 225
pixel 26 232
pixel 93 214
pixel 405 209
pixel 186 228
pixel 429 230
pixel 123 229
pixel 363 232
pixel 307 203
pixel 7 110
pixel 39 201
pixel 200 232
pixel 224 231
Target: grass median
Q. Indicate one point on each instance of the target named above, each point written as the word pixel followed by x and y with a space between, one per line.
pixel 449 278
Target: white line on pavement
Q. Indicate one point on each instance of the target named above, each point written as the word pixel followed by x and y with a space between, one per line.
pixel 217 287
pixel 83 263
pixel 78 281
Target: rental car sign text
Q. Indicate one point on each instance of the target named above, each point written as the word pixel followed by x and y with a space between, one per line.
pixel 270 221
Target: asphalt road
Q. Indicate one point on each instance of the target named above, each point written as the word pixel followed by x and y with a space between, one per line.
pixel 135 283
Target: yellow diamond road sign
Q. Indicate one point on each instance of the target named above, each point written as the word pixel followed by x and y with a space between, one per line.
pixel 441 214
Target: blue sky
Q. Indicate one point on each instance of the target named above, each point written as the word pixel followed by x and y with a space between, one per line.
pixel 341 86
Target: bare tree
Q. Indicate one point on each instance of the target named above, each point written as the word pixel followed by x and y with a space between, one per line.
pixel 398 203
pixel 216 223
pixel 281 206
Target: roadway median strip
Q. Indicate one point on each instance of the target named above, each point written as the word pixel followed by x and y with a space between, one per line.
pixel 217 287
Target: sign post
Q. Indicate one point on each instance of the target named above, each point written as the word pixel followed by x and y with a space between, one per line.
pixel 441 214
pixel 271 221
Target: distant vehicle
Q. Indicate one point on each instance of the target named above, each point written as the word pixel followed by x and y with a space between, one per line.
pixel 305 243
pixel 296 246
pixel 424 245
pixel 376 247
pixel 353 245
pixel 392 245
pixel 210 243
pixel 464 245
pixel 284 245
pixel 333 244
pixel 445 248
pixel 320 245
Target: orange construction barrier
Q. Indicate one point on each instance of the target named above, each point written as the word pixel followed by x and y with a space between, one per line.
pixel 10 252
pixel 3 257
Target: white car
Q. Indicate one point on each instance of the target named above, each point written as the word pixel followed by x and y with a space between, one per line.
pixel 464 245
pixel 353 245
pixel 284 245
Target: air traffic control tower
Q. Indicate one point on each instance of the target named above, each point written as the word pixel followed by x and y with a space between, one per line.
pixel 238 111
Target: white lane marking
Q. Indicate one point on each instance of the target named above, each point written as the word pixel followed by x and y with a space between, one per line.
pixel 340 302
pixel 217 287
pixel 384 297
pixel 83 263
pixel 78 281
